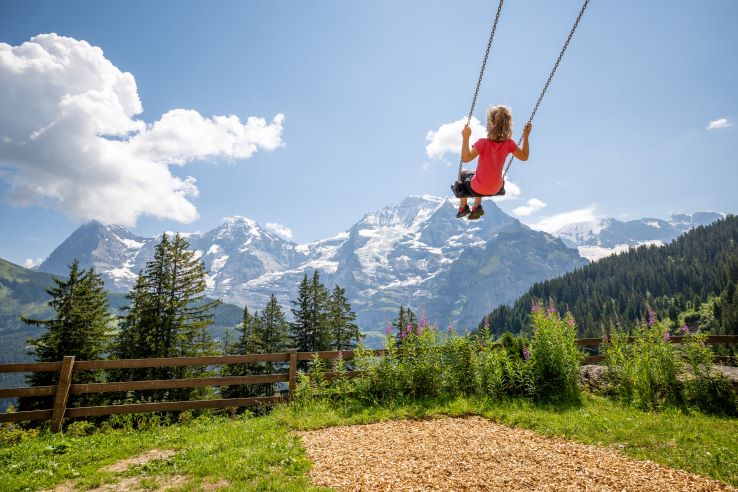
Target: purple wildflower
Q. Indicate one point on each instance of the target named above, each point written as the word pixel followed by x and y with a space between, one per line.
pixel 570 321
pixel 388 330
pixel 551 308
pixel 667 337
pixel 535 307
pixel 423 322
pixel 684 329
pixel 651 317
pixel 526 353
pixel 450 328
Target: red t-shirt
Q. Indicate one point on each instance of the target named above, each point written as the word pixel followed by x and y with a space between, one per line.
pixel 488 178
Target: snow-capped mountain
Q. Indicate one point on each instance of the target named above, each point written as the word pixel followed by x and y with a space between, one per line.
pixel 414 254
pixel 599 238
pixel 111 249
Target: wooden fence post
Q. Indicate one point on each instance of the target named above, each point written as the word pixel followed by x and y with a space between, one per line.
pixel 62 393
pixel 293 372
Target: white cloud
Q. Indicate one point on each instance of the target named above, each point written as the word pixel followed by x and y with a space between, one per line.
pixel 555 223
pixel 533 206
pixel 70 139
pixel 279 229
pixel 426 165
pixel 718 124
pixel 447 138
pixel 31 263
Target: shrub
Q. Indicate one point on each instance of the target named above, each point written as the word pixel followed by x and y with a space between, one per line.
pixel 652 372
pixel 420 363
pixel 11 434
pixel 80 428
pixel 711 395
pixel 644 372
pixel 553 357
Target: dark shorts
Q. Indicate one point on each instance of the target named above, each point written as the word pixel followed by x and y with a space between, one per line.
pixel 463 189
pixel 466 177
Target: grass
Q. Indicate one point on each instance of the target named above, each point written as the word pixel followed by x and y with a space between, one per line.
pixel 253 454
pixel 259 453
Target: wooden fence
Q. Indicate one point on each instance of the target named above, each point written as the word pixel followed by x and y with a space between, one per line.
pixel 66 368
pixel 64 388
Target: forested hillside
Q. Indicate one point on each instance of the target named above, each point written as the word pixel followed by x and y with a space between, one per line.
pixel 23 293
pixel 696 273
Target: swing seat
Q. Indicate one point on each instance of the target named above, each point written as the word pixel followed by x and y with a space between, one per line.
pixel 462 189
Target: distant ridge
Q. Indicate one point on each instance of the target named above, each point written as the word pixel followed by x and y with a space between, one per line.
pixel 602 237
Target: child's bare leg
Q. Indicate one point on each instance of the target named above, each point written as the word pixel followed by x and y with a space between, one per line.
pixel 477 201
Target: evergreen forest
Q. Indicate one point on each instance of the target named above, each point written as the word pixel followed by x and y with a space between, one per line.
pixel 693 280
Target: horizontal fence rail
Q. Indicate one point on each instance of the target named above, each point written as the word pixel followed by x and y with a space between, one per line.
pixel 66 368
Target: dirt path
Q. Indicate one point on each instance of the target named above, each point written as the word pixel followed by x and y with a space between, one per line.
pixel 142 482
pixel 475 454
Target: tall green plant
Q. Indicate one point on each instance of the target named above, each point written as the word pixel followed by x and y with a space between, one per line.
pixel 553 357
pixel 645 372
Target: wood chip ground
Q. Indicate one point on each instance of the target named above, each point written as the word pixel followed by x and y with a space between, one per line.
pixel 475 454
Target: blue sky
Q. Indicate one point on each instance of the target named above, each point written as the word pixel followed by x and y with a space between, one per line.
pixel 621 133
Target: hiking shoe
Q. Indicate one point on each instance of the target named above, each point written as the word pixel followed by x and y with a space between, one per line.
pixel 463 212
pixel 476 213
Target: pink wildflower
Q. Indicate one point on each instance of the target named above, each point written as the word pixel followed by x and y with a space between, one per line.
pixel 551 308
pixel 651 317
pixel 684 329
pixel 388 330
pixel 570 321
pixel 526 353
pixel 535 307
pixel 667 337
pixel 450 328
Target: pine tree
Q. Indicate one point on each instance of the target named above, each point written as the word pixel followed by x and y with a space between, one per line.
pixel 247 343
pixel 310 329
pixel 80 328
pixel 321 336
pixel 344 332
pixel 405 321
pixel 273 330
pixel 168 315
pixel 273 335
pixel 301 326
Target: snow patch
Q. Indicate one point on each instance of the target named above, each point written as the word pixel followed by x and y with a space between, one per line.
pixel 218 263
pixel 132 244
pixel 594 253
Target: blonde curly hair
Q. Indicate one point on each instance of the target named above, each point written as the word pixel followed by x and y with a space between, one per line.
pixel 499 123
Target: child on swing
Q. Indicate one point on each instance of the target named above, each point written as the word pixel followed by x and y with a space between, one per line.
pixel 492 152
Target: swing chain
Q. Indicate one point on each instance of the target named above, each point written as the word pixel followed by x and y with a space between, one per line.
pixel 481 74
pixel 550 77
